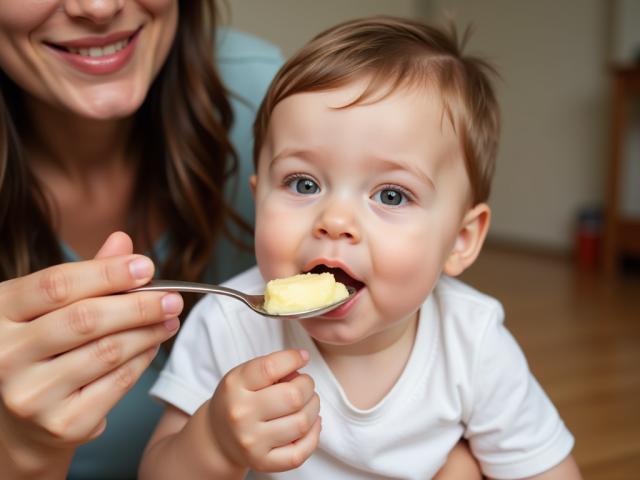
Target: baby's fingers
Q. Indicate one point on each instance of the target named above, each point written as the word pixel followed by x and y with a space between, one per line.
pixel 294 454
pixel 286 398
pixel 289 428
pixel 265 371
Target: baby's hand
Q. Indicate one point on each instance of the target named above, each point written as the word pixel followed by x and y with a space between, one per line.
pixel 264 416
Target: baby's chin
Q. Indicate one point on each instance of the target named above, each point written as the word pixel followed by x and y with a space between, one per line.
pixel 334 332
pixel 350 331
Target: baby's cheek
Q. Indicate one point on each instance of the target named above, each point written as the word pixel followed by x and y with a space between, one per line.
pixel 405 277
pixel 276 246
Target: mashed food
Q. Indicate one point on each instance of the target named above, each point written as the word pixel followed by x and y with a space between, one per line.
pixel 303 292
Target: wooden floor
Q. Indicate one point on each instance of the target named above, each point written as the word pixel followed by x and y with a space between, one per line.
pixel 581 335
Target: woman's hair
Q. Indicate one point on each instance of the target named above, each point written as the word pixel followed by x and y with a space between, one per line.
pixel 186 159
pixel 395 53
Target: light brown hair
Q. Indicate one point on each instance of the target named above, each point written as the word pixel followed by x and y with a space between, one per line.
pixel 395 53
pixel 182 131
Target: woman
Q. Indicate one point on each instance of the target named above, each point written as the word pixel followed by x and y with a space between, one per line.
pixel 112 117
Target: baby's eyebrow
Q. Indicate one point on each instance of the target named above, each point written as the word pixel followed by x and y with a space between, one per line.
pixel 390 165
pixel 293 152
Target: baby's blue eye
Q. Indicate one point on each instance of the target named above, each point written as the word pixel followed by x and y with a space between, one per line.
pixel 304 186
pixel 390 197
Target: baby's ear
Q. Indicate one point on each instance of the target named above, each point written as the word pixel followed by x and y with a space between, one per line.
pixel 253 180
pixel 473 231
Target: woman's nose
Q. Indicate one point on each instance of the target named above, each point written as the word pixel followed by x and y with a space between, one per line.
pixel 97 11
pixel 338 222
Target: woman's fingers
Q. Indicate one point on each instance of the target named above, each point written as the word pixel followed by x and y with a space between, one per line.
pixel 80 417
pixel 26 298
pixel 65 329
pixel 60 377
pixel 118 243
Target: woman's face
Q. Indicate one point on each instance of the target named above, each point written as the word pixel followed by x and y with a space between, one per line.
pixel 95 58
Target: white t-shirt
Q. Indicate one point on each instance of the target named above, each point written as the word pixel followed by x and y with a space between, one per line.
pixel 466 376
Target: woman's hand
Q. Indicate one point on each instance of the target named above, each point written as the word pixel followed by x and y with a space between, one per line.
pixel 69 351
pixel 264 415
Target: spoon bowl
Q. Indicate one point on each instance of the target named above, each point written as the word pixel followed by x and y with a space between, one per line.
pixel 254 302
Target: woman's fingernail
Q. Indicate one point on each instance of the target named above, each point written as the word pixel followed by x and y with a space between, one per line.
pixel 172 325
pixel 141 268
pixel 304 354
pixel 171 303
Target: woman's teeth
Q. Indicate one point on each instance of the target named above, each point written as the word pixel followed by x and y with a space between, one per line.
pixel 99 51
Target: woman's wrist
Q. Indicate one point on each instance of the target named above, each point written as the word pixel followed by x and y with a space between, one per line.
pixel 21 461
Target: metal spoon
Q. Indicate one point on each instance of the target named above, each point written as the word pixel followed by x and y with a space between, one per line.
pixel 254 302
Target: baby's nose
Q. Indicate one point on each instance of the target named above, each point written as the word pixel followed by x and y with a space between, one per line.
pixel 338 222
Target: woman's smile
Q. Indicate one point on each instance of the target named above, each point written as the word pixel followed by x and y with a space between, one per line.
pixel 98 55
pixel 93 59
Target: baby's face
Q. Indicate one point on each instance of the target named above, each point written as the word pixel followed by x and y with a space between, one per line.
pixel 375 194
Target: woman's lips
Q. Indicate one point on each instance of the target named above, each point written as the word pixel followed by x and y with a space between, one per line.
pixel 98 65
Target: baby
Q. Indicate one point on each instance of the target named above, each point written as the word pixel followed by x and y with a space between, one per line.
pixel 374 152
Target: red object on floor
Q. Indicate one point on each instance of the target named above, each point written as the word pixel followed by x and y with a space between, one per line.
pixel 589 239
pixel 588 249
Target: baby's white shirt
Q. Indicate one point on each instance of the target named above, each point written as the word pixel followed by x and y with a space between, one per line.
pixel 466 377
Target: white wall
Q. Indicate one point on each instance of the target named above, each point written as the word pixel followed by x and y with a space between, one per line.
pixel 555 101
pixel 555 95
pixel 292 23
pixel 625 34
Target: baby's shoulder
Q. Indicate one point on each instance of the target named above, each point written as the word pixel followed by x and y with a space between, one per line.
pixel 460 302
pixel 467 318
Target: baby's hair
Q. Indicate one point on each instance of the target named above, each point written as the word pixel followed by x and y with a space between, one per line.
pixel 399 52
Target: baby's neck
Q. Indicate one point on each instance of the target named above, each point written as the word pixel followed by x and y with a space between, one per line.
pixel 368 370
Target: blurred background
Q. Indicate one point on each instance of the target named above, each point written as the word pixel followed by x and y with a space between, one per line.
pixel 569 159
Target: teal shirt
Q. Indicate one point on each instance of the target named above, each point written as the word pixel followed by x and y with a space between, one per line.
pixel 247 65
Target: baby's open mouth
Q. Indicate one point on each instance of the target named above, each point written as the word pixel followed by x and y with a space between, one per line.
pixel 340 276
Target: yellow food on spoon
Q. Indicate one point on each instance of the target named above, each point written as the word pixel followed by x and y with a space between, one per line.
pixel 303 292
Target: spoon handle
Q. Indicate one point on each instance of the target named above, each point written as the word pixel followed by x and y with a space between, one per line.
pixel 178 286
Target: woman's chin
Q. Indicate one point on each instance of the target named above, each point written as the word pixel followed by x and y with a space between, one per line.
pixel 103 103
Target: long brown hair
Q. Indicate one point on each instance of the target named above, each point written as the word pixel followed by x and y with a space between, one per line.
pixel 394 53
pixel 187 158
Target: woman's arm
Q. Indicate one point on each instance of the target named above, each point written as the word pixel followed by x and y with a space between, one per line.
pixel 69 350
